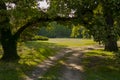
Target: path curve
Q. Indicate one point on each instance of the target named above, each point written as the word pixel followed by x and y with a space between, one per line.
pixel 72 68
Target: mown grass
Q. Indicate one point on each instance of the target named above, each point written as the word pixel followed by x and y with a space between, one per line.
pixel 72 42
pixel 31 53
pixel 101 65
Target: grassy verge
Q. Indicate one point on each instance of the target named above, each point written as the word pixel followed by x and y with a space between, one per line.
pixel 101 65
pixel 31 53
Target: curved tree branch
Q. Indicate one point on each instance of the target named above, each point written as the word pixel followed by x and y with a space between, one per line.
pixel 36 20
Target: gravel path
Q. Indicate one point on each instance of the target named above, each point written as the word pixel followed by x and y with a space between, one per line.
pixel 45 65
pixel 72 69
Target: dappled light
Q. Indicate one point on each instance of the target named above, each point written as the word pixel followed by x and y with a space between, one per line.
pixel 49 60
pixel 58 39
pixel 35 52
pixel 31 53
pixel 99 64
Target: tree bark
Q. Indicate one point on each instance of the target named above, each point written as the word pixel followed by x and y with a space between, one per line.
pixel 8 42
pixel 10 50
pixel 111 45
pixel 111 39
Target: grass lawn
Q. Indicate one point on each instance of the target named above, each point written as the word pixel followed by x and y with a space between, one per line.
pixel 101 65
pixel 71 42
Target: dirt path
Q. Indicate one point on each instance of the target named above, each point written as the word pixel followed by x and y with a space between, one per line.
pixel 45 65
pixel 72 68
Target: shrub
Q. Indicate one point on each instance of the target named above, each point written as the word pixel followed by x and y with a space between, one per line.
pixel 40 38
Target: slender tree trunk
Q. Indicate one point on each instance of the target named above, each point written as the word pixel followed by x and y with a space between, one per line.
pixel 111 39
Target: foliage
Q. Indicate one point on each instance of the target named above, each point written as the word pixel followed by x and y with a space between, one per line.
pixel 43 38
pixel 80 31
pixel 97 15
pixel 55 30
pixel 75 32
pixel 15 19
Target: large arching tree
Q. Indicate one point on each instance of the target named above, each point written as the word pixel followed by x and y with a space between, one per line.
pixel 107 11
pixel 8 38
pixel 17 15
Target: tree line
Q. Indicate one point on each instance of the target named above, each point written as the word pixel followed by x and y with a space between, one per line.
pixel 56 30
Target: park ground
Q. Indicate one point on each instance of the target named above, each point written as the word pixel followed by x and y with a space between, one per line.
pixel 62 59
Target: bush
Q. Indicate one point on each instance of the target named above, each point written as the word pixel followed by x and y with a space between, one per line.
pixel 40 38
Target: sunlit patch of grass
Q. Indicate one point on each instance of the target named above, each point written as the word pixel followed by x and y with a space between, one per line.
pixel 101 65
pixel 34 52
pixel 99 52
pixel 71 42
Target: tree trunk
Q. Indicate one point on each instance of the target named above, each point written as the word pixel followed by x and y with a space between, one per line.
pixel 10 50
pixel 8 41
pixel 111 39
pixel 9 44
pixel 111 45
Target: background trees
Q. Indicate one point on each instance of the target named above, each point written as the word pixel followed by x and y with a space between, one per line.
pixel 55 30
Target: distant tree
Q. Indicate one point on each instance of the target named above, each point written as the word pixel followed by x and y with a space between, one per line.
pixel 80 31
pixel 75 32
pixel 55 30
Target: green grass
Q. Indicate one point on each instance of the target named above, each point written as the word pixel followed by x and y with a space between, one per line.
pixel 31 53
pixel 34 52
pixel 71 42
pixel 101 65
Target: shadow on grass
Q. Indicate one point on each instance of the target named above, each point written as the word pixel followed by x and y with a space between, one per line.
pixel 31 53
pixel 101 66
